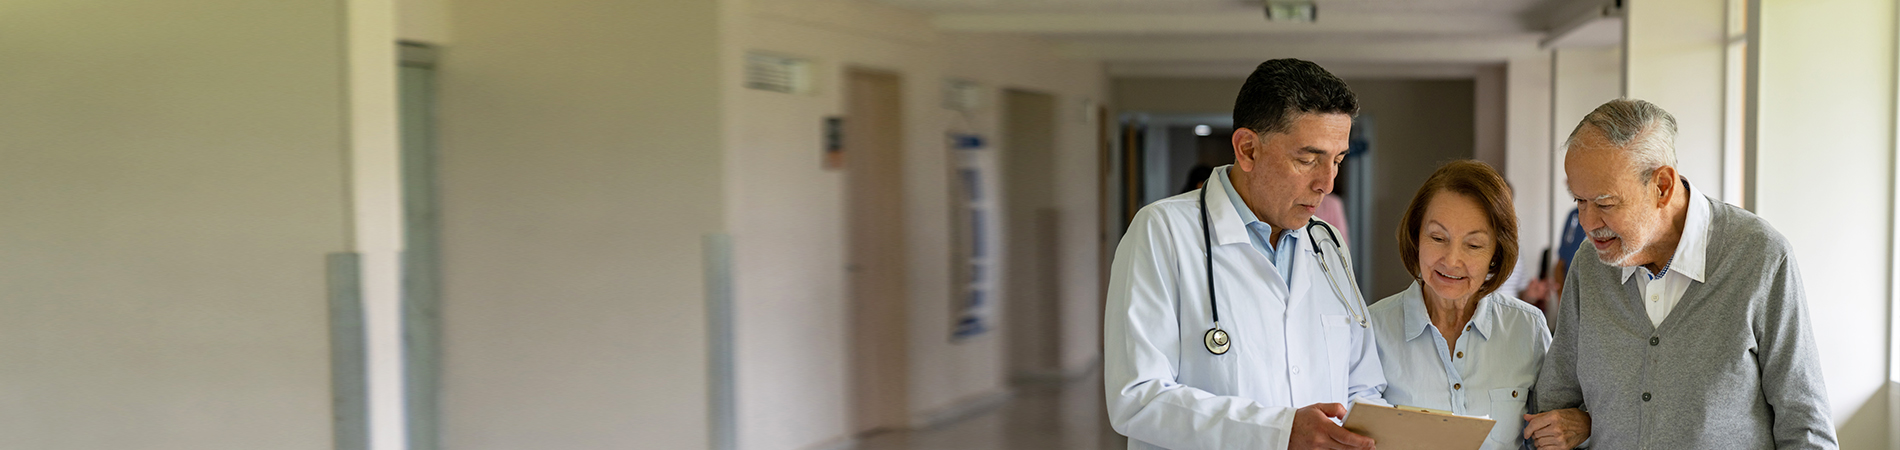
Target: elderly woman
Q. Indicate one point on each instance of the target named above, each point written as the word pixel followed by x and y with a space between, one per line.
pixel 1451 342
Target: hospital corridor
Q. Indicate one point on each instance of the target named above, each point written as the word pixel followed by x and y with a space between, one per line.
pixel 857 224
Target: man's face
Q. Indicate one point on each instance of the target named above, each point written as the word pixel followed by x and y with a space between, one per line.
pixel 1288 173
pixel 1620 212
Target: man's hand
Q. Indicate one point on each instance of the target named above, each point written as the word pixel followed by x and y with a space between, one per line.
pixel 1561 429
pixel 1313 429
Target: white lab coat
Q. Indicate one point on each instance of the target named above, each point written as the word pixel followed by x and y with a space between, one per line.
pixel 1166 390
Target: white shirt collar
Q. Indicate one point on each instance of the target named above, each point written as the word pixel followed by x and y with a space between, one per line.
pixel 1692 251
pixel 1417 317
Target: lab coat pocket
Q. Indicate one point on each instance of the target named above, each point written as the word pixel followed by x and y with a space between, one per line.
pixel 1338 348
pixel 1507 407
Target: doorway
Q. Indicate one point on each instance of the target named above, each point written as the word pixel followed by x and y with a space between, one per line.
pixel 875 264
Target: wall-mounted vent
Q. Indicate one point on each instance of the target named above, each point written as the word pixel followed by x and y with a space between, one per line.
pixel 777 73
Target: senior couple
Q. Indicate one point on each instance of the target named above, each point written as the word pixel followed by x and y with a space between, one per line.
pixel 1688 329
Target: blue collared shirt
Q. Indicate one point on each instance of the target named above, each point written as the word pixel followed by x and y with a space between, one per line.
pixel 1491 373
pixel 1261 232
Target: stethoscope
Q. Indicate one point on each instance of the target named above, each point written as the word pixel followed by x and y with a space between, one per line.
pixel 1216 339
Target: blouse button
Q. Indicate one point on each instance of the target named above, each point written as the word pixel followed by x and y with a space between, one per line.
pixel 1461 354
pixel 1461 385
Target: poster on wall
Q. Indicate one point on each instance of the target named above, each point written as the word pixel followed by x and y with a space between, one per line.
pixel 973 310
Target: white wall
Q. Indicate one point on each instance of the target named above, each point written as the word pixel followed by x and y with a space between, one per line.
pixel 787 213
pixel 581 167
pixel 174 179
pixel 1824 178
pixel 1583 79
pixel 1528 130
pixel 1673 54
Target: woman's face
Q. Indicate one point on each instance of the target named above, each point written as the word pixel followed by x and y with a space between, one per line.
pixel 1455 244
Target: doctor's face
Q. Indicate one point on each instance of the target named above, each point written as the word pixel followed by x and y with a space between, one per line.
pixel 1284 175
pixel 1455 245
pixel 1620 212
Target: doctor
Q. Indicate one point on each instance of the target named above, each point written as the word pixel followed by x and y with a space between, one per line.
pixel 1279 346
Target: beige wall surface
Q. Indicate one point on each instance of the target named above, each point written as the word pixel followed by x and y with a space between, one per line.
pixel 580 169
pixel 1417 125
pixel 1824 179
pixel 174 179
pixel 787 211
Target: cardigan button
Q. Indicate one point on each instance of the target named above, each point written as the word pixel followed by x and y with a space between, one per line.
pixel 1645 396
pixel 1654 340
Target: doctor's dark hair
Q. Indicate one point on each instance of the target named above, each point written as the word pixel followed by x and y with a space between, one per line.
pixel 1281 89
pixel 1480 182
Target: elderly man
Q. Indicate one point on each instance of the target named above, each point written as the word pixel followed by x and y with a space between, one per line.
pixel 1689 329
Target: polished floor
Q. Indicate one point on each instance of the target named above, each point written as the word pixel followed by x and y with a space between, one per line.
pixel 1040 416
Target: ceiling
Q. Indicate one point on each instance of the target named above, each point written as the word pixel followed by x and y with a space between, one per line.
pixel 1222 38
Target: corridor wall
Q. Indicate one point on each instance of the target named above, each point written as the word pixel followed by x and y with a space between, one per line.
pixel 787 212
pixel 580 173
pixel 175 180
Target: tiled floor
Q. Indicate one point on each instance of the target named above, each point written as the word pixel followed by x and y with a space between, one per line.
pixel 1040 416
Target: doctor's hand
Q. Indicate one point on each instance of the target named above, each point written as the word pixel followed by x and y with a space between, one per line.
pixel 1313 428
pixel 1561 429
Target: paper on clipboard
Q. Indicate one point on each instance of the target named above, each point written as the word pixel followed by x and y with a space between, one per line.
pixel 1416 428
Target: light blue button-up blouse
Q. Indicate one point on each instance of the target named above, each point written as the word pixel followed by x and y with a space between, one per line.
pixel 1491 373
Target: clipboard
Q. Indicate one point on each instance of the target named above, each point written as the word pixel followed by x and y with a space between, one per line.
pixel 1410 428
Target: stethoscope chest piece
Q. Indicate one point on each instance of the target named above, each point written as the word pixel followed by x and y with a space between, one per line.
pixel 1217 341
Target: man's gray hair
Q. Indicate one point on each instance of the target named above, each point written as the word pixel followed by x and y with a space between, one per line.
pixel 1641 129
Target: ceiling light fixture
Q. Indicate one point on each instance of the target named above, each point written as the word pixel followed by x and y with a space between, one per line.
pixel 1291 11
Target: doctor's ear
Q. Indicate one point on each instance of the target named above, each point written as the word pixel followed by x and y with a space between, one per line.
pixel 1245 141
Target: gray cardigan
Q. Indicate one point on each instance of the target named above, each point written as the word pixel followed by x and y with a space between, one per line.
pixel 1733 366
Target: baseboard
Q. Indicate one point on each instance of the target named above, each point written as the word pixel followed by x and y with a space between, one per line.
pixel 962 409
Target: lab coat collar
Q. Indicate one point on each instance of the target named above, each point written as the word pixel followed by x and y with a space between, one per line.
pixel 1417 318
pixel 1692 250
pixel 1231 218
pixel 1230 226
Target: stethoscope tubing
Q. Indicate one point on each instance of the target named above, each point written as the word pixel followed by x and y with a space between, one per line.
pixel 1213 305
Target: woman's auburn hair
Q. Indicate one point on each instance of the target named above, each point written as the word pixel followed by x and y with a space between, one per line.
pixel 1480 182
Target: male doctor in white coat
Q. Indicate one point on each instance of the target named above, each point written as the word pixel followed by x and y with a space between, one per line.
pixel 1290 350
